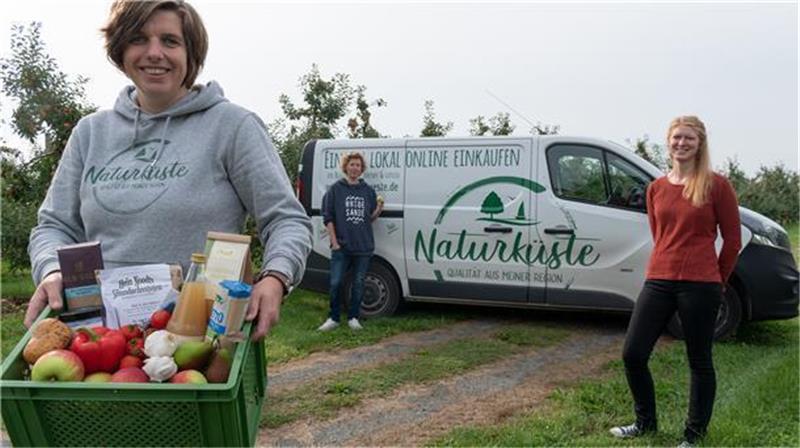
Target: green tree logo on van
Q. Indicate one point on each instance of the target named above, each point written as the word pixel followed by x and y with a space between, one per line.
pixel 492 205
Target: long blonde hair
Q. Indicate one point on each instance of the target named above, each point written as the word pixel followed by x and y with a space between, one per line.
pixel 698 187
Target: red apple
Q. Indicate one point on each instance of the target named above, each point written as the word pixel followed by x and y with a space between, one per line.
pixel 189 377
pixel 97 377
pixel 58 365
pixel 130 361
pixel 130 375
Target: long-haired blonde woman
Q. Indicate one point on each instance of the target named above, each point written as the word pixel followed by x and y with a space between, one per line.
pixel 684 274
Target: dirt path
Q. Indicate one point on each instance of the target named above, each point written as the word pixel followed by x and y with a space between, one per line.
pixel 287 376
pixel 413 415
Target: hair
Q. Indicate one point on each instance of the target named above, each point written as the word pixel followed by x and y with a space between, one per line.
pixel 350 156
pixel 698 187
pixel 127 17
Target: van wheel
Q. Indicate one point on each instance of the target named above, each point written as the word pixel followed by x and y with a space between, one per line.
pixel 728 317
pixel 381 291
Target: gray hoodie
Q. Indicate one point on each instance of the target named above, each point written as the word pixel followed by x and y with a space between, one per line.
pixel 149 187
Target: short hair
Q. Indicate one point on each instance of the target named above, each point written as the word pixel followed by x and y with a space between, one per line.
pixel 127 17
pixel 350 156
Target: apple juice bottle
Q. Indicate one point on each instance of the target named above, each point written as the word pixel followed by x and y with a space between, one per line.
pixel 190 318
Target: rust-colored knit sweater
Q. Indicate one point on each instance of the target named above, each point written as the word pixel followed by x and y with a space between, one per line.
pixel 684 235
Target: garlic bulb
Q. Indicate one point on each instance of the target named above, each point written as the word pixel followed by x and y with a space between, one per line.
pixel 160 368
pixel 160 343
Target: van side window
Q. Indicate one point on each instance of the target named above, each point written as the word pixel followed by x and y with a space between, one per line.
pixel 595 176
pixel 577 173
pixel 628 183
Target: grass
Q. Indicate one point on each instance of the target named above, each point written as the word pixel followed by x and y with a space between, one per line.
pixel 794 237
pixel 11 331
pixel 303 311
pixel 17 287
pixel 15 284
pixel 321 399
pixel 756 404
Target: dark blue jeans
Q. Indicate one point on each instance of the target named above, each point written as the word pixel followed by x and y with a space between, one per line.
pixel 696 303
pixel 340 262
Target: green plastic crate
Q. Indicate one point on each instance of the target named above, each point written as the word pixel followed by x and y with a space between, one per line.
pixel 135 414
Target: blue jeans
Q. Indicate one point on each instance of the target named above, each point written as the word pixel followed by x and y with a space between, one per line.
pixel 340 262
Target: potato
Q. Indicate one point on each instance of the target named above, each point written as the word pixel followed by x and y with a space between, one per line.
pixel 40 345
pixel 48 334
pixel 54 327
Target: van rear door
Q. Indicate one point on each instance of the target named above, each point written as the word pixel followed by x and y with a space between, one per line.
pixel 468 218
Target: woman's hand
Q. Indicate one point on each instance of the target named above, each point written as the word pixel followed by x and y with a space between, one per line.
pixel 265 304
pixel 47 293
pixel 377 212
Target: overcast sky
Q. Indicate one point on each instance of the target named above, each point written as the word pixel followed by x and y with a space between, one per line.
pixel 610 70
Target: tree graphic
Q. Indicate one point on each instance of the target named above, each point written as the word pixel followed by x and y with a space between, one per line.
pixel 521 212
pixel 492 205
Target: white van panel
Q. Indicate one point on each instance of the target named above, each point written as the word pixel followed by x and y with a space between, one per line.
pixel 468 206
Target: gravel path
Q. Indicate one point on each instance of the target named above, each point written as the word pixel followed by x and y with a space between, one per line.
pixel 414 414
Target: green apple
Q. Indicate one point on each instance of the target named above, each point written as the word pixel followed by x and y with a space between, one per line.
pixel 58 365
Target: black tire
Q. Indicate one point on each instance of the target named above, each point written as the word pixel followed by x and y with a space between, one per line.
pixel 381 291
pixel 729 317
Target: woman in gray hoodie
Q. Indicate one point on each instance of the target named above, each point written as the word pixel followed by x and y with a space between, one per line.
pixel 170 162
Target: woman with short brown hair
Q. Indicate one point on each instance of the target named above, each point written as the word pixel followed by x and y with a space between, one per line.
pixel 172 161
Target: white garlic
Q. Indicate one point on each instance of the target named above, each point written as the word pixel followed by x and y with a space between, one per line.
pixel 160 368
pixel 160 343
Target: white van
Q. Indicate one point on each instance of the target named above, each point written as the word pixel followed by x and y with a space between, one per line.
pixel 533 222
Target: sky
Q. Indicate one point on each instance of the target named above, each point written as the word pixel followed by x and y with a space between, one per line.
pixel 611 70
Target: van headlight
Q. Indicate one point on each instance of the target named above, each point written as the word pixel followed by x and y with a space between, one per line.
pixel 765 231
pixel 769 240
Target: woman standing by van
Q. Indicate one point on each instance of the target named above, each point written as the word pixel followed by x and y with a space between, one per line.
pixel 348 209
pixel 684 275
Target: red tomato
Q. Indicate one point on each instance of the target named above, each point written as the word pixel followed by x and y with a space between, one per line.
pixel 136 347
pixel 130 331
pixel 159 319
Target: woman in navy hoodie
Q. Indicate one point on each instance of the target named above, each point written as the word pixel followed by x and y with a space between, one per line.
pixel 348 209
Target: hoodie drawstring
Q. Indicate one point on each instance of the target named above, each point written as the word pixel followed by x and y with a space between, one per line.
pixel 163 141
pixel 135 127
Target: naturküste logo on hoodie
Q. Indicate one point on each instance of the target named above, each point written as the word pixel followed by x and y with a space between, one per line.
pixel 146 169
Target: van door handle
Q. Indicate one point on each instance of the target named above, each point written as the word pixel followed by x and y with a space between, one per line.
pixel 497 229
pixel 559 231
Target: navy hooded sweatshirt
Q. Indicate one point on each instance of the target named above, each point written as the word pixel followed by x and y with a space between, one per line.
pixel 350 208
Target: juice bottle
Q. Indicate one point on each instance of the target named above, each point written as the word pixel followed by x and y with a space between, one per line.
pixel 191 317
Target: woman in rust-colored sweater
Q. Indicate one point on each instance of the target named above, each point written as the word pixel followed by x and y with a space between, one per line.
pixel 684 275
